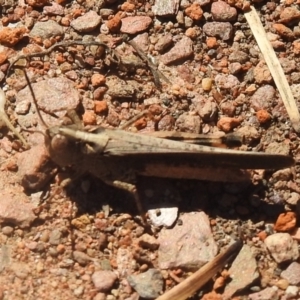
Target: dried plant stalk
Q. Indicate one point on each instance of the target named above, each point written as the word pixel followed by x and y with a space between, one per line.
pixel 274 67
pixel 193 283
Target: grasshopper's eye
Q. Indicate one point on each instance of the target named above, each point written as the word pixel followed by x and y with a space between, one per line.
pixel 59 143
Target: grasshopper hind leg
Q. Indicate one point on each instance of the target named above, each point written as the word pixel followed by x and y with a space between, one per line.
pixel 131 188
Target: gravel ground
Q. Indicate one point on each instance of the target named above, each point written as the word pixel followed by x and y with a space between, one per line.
pixel 203 74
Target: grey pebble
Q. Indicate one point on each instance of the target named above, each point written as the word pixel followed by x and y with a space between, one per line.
pixel 148 285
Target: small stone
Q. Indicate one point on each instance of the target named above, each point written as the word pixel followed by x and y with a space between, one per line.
pixel 16 209
pixel 104 280
pixel 148 242
pixel 89 118
pixel 285 222
pixel 292 273
pixel 283 31
pixel 292 292
pixel 148 285
pixel 263 116
pixel 7 230
pixel 194 11
pixel 101 107
pixel 135 24
pixel 11 36
pixel 182 50
pixel 46 30
pixel 289 14
pixel 221 11
pixel 268 293
pixel 243 272
pixel 227 82
pixel 82 258
pixel 55 237
pixel 227 124
pixel 282 284
pixel 55 9
pixel 165 8
pixel 282 247
pixel 206 84
pixel 188 123
pixel 86 23
pixel 263 97
pixel 164 42
pixel 98 79
pixel 114 24
pixel 293 199
pixel 175 252
pixel 22 108
pixel 262 73
pixel 223 30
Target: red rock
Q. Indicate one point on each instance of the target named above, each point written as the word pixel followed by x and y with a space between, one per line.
pixel 263 116
pixel 98 79
pixel 89 118
pixel 11 36
pixel 133 25
pixel 114 24
pixel 3 57
pixel 283 30
pixel 194 11
pixel 285 222
pixel 100 107
pixel 227 124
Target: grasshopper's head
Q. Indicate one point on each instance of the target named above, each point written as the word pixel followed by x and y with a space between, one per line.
pixel 62 150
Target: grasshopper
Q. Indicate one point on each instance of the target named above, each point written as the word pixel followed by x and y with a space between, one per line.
pixel 118 157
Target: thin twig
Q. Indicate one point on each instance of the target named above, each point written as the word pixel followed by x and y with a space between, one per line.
pixel 5 119
pixel 63 44
pixel 153 68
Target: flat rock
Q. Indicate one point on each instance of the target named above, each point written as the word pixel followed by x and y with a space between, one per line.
pixel 148 285
pixel 267 293
pixel 46 30
pixel 54 95
pixel 135 24
pixel 242 272
pixel 104 280
pixel 292 273
pixel 15 209
pixel 222 30
pixel 35 168
pixel 86 23
pixel 165 8
pixel 182 50
pixel 188 246
pixel 282 247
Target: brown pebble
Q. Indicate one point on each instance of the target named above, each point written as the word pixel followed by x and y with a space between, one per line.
pixel 285 222
pixel 262 235
pixel 11 36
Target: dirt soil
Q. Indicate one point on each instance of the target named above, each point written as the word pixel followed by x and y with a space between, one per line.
pixel 184 66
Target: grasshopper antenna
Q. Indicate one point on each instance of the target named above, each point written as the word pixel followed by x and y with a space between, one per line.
pixel 34 99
